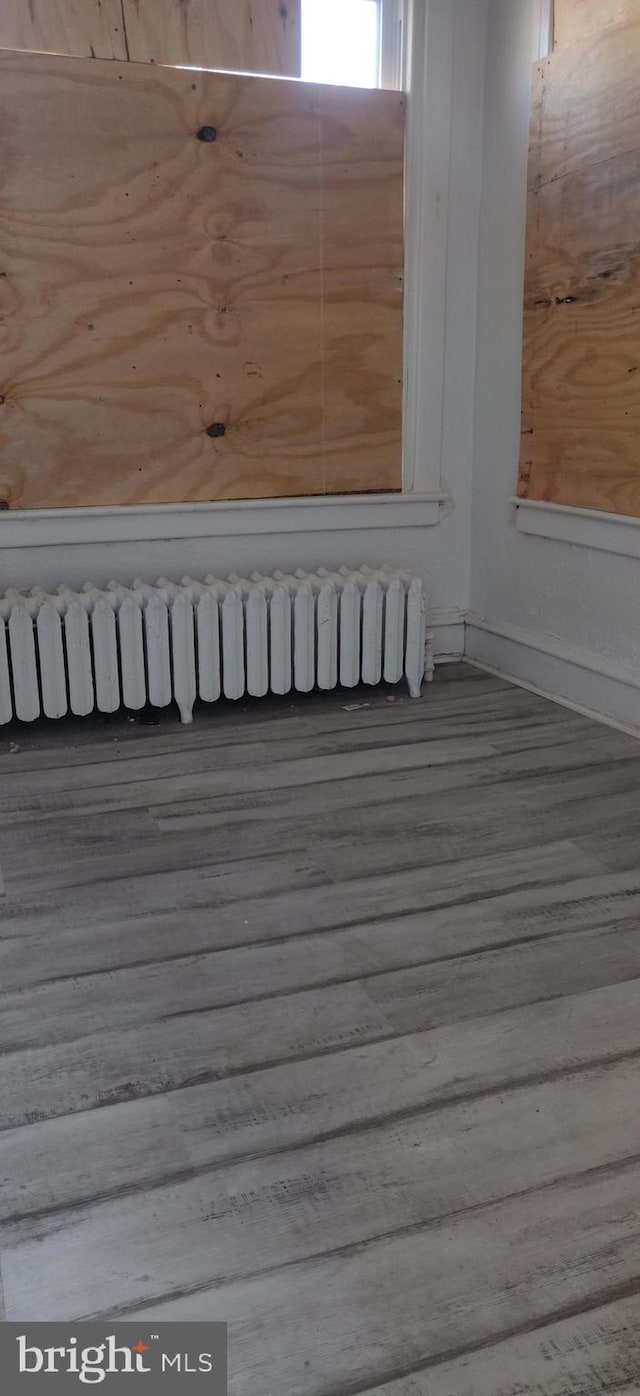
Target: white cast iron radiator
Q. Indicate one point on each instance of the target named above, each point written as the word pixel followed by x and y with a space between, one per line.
pixel 125 646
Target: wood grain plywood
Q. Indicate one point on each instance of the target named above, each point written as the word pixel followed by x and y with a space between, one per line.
pixel 248 35
pixel 260 36
pixel 581 352
pixel 581 379
pixel 155 284
pixel 585 104
pixel 80 28
pixel 578 19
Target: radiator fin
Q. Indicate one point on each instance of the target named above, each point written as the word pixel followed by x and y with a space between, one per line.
pixel 134 685
pixel 53 679
pixel 304 640
pixel 280 640
pixel 79 664
pixel 372 611
pixel 184 655
pixel 233 645
pixel 327 636
pixel 208 630
pixel 105 656
pixel 350 636
pixel 26 692
pixel 156 631
pixel 6 700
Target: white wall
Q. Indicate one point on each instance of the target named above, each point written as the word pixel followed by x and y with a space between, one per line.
pixel 242 553
pixel 422 549
pixel 562 616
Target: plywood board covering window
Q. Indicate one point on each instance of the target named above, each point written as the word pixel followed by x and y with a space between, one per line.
pixel 261 36
pixel 251 35
pixel 189 319
pixel 581 362
pixel 82 28
pixel 579 19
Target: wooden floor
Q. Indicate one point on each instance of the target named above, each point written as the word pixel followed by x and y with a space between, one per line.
pixel 326 1020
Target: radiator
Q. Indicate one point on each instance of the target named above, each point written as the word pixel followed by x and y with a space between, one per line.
pixel 77 651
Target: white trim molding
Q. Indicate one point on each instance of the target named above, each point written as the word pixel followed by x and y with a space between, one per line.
pixel 392 44
pixel 589 528
pixel 227 518
pixel 429 65
pixel 590 682
pixel 543 27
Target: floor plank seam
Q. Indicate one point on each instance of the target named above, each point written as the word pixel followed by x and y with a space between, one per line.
pixel 356 1247
pixel 444 1102
pixel 366 1126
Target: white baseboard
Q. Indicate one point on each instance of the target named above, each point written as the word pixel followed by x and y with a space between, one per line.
pixel 579 678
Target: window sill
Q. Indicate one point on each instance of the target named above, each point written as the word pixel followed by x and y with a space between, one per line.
pixel 22 528
pixel 588 528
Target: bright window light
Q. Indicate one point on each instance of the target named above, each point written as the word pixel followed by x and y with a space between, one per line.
pixel 340 42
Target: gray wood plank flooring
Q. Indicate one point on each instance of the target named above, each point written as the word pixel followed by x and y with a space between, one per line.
pixel 327 1023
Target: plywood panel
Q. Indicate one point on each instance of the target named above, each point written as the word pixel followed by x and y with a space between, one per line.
pixel 260 36
pixel 578 19
pixel 81 28
pixel 586 104
pixel 581 400
pixel 155 285
pixel 581 359
pixel 248 35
